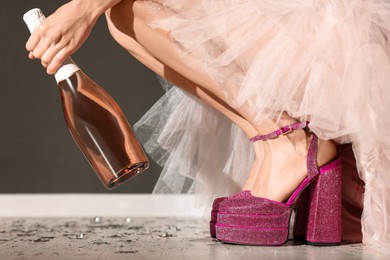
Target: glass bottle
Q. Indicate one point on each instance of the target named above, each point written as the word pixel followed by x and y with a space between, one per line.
pixel 96 122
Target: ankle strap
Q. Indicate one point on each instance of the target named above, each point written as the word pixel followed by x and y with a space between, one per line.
pixel 311 159
pixel 282 131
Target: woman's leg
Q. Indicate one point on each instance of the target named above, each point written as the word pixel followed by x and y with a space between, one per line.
pixel 122 31
pixel 284 164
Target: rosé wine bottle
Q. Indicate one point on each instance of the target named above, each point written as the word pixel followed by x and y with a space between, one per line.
pixel 96 122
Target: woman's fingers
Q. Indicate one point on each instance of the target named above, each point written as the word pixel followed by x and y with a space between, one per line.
pixel 51 52
pixel 57 60
pixel 34 39
pixel 50 46
pixel 41 48
pixel 62 33
pixel 53 58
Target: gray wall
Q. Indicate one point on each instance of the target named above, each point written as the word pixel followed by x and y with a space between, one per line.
pixel 37 153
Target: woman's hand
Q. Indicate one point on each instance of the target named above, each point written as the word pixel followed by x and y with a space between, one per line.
pixel 63 32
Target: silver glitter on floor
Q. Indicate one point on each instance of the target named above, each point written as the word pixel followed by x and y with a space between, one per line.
pixel 144 238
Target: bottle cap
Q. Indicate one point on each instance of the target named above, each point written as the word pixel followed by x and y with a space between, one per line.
pixel 33 18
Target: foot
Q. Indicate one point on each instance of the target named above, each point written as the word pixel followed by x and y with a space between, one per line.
pixel 284 164
pixel 250 182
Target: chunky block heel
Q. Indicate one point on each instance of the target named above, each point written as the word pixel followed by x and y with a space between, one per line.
pixel 324 219
pixel 318 211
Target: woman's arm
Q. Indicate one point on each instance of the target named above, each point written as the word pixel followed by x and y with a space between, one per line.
pixel 63 32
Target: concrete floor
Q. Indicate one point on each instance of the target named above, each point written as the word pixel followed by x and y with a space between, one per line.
pixel 144 238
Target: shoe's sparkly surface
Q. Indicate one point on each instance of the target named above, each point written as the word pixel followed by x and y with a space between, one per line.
pixel 253 220
pixel 251 235
pixel 214 214
pixel 215 209
pixel 324 219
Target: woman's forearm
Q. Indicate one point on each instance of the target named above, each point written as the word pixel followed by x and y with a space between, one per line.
pixel 95 7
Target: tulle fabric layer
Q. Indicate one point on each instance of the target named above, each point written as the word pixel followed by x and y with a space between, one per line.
pixel 201 150
pixel 323 61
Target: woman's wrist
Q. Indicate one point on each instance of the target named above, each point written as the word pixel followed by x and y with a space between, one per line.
pixel 94 8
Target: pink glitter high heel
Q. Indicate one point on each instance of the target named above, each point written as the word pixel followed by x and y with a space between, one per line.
pixel 259 221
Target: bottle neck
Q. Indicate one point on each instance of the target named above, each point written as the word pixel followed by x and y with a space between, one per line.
pixel 67 69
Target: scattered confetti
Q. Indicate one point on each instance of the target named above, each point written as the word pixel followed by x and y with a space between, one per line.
pixel 166 234
pixel 81 236
pixel 127 252
pixel 100 242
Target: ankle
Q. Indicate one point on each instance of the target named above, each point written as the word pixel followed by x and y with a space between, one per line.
pixel 327 151
pixel 296 141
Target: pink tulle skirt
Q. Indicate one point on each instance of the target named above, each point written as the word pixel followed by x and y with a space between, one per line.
pixel 325 61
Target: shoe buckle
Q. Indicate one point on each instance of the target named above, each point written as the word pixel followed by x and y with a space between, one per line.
pixel 286 129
